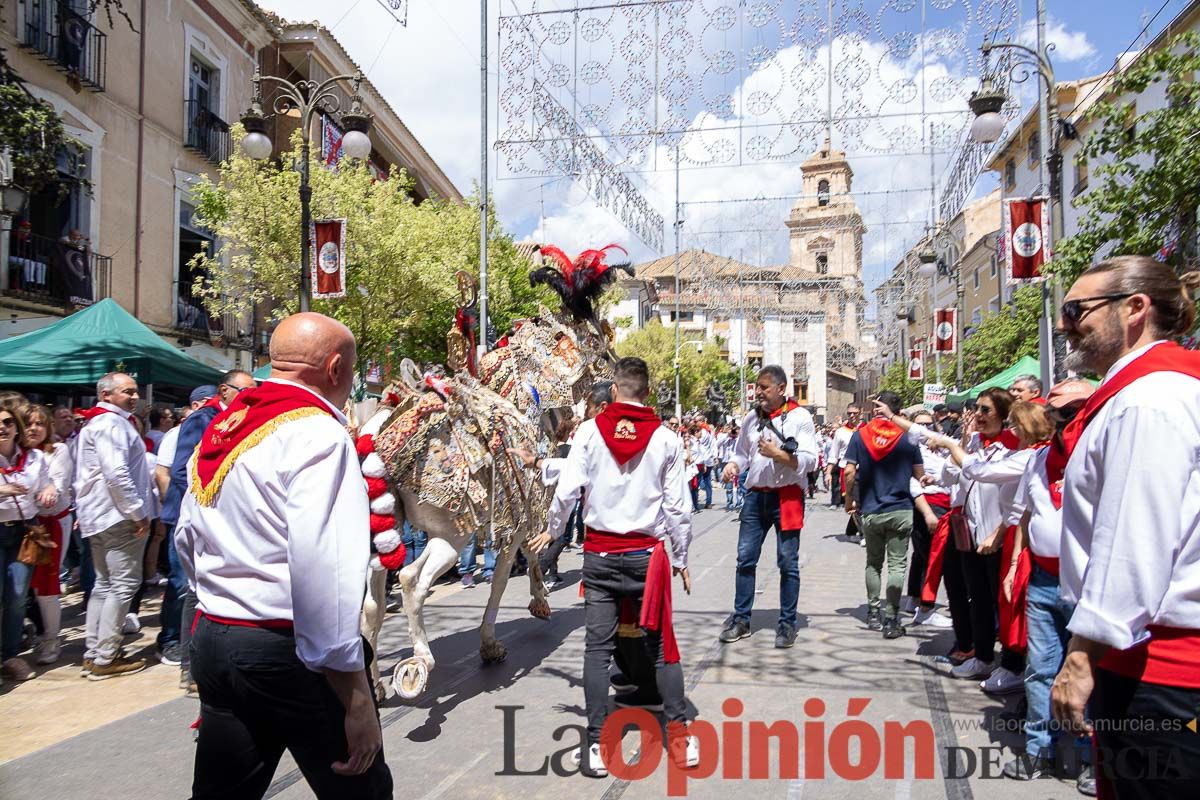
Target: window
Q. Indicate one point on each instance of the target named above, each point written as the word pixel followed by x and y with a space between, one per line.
pixel 800 392
pixel 976 279
pixel 1081 174
pixel 203 85
pixel 193 240
pixel 822 264
pixel 995 261
pixel 684 316
pixel 800 366
pixel 1010 174
pixel 823 193
pixel 1130 121
pixel 993 305
pixel 1033 149
pixel 976 317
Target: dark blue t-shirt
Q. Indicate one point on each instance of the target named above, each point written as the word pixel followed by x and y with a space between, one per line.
pixel 883 485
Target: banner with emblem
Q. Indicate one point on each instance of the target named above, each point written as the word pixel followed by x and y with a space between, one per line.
pixel 945 330
pixel 331 142
pixel 328 258
pixel 916 364
pixel 1026 226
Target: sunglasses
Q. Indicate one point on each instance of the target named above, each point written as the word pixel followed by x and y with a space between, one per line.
pixel 8 422
pixel 985 410
pixel 1073 310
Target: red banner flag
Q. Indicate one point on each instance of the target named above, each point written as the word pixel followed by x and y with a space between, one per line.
pixel 328 258
pixel 1026 228
pixel 916 364
pixel 945 330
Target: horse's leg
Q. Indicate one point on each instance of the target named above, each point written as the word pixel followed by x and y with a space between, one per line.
pixel 374 605
pixel 412 673
pixel 539 605
pixel 490 648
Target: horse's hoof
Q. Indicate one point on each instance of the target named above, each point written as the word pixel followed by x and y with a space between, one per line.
pixel 410 677
pixel 493 652
pixel 380 692
pixel 540 608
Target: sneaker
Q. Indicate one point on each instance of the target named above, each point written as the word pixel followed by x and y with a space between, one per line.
pixel 132 624
pixel 16 669
pixel 1028 768
pixel 47 651
pixel 686 752
pixel 639 698
pixel 734 629
pixel 874 620
pixel 973 668
pixel 550 584
pixel 892 629
pixel 468 581
pixel 785 636
pixel 930 618
pixel 620 683
pixel 862 541
pixel 117 669
pixel 86 669
pixel 591 764
pixel 957 657
pixel 1086 782
pixel 171 655
pixel 1003 681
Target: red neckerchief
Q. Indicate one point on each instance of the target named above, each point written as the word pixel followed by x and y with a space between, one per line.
pixel 788 405
pixel 96 411
pixel 880 437
pixel 1056 465
pixel 17 465
pixel 249 419
pixel 1006 437
pixel 791 498
pixel 626 429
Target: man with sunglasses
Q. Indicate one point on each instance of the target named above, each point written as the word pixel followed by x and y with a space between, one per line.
pixel 1130 558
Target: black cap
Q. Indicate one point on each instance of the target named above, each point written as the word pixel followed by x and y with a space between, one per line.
pixel 955 407
pixel 939 408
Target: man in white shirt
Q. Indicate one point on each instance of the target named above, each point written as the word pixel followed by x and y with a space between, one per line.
pixel 112 503
pixel 630 471
pixel 778 446
pixel 271 537
pixel 1130 549
pixel 836 463
pixel 706 459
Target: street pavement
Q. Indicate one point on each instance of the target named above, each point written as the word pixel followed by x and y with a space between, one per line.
pixel 502 730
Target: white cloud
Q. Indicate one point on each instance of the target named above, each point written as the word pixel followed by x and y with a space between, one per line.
pixel 1068 45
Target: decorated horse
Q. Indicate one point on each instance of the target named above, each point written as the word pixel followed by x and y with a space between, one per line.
pixel 441 446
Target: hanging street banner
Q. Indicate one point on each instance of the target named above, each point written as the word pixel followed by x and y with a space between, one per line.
pixel 331 142
pixel 1026 226
pixel 945 330
pixel 916 364
pixel 328 258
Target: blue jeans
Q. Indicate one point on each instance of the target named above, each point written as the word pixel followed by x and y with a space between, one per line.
pixel 741 488
pixel 760 514
pixel 16 587
pixel 1047 615
pixel 171 616
pixel 466 560
pixel 414 543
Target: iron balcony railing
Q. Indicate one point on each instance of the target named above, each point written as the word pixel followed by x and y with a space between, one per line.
pixel 66 39
pixel 207 134
pixel 56 272
pixel 191 317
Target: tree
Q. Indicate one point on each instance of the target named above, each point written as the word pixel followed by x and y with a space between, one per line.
pixel 1003 337
pixel 655 344
pixel 895 379
pixel 404 254
pixel 33 134
pixel 1146 167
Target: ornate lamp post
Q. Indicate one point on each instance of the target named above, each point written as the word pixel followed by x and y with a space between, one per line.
pixel 306 97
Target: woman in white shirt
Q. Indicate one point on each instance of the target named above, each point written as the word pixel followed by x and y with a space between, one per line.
pixel 56 518
pixel 24 488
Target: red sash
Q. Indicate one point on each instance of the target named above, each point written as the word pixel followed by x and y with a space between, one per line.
pixel 791 507
pixel 937 555
pixel 656 596
pixel 626 429
pixel 938 499
pixel 1013 626
pixel 880 437
pixel 250 418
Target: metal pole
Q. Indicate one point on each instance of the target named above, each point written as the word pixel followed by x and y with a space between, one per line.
pixel 1047 115
pixel 305 218
pixel 678 398
pixel 482 345
pixel 741 340
pixel 959 326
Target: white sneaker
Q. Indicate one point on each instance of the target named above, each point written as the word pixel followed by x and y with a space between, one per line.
pixel 591 764
pixel 686 756
pixel 907 605
pixel 972 668
pixel 132 624
pixel 931 618
pixel 862 541
pixel 1003 681
pixel 46 651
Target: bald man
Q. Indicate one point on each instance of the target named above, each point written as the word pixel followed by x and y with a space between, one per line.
pixel 271 535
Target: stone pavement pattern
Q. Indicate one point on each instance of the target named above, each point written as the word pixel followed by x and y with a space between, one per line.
pixel 130 737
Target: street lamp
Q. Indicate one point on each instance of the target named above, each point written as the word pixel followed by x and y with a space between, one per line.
pixel 699 349
pixel 12 201
pixel 985 104
pixel 306 97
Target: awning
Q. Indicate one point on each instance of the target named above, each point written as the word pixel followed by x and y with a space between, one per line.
pixel 1028 365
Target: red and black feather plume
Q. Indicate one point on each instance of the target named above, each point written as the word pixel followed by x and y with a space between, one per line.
pixel 581 281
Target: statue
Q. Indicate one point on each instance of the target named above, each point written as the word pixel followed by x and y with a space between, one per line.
pixel 666 398
pixel 718 406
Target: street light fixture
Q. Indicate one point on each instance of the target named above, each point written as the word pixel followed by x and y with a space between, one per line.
pixel 986 104
pixel 304 98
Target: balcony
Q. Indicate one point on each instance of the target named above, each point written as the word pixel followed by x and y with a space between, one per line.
pixel 66 40
pixel 193 320
pixel 56 273
pixel 206 134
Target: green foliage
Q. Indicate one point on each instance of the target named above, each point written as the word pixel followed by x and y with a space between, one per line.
pixel 655 344
pixel 895 379
pixel 33 134
pixel 1144 177
pixel 1003 337
pixel 404 254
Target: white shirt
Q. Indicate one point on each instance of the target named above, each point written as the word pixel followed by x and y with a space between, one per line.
pixel 934 464
pixel 167 448
pixel 839 444
pixel 156 436
pixel 34 476
pixel 980 501
pixel 725 444
pixel 1004 472
pixel 111 481
pixel 60 468
pixel 645 495
pixel 287 538
pixel 767 473
pixel 1045 521
pixel 704 451
pixel 1131 512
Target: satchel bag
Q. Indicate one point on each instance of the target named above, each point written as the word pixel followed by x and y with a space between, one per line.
pixel 959 530
pixel 37 548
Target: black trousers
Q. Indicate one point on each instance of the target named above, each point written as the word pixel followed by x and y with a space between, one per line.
pixel 607 580
pixel 957 597
pixel 256 700
pixel 982 574
pixel 1144 747
pixel 921 538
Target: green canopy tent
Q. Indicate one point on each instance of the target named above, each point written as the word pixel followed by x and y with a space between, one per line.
pixel 262 373
pixel 1028 365
pixel 79 349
